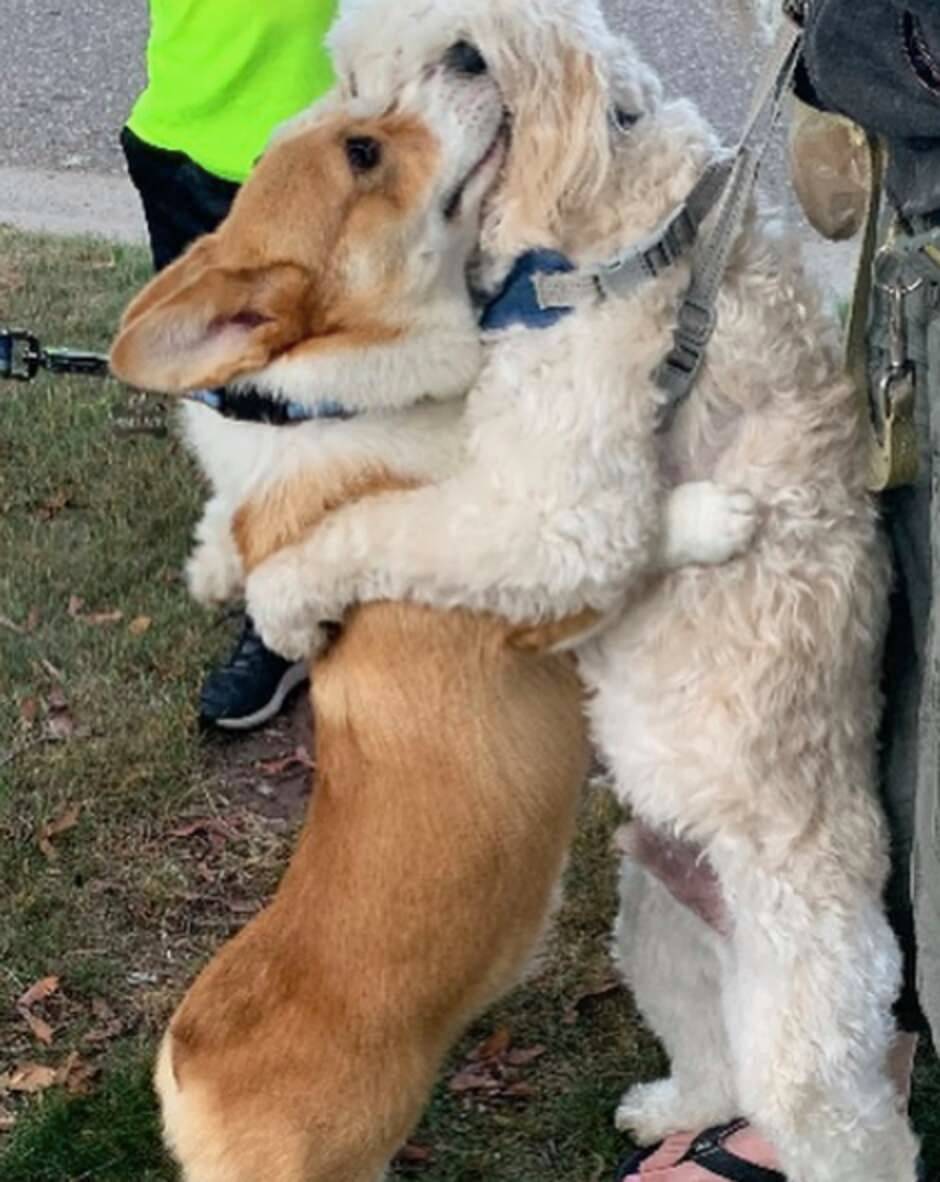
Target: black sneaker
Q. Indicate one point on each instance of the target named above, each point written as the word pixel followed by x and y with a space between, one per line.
pixel 250 687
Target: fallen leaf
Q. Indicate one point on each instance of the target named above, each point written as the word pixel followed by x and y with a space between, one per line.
pixel 103 1034
pixel 519 1091
pixel 7 1120
pixel 139 625
pixel 204 825
pixel 40 1028
pixel 56 698
pixel 277 767
pixel 33 618
pixel 414 1155
pixel 28 1078
pixel 98 618
pixel 53 506
pixel 524 1056
pixel 39 991
pixel 101 1009
pixel 493 1047
pixel 61 824
pixel 75 606
pixel 56 674
pixel 29 711
pixel 75 1075
pixel 60 726
pixel 585 1000
pixel 473 1080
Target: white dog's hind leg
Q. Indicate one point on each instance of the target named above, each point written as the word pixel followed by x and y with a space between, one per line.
pixel 809 1018
pixel 670 959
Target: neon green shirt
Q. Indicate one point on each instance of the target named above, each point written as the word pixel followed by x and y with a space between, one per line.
pixel 222 74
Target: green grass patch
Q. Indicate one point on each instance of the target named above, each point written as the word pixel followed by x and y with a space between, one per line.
pixel 101 766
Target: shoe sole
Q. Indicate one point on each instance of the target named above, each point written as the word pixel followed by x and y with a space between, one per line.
pixel 296 675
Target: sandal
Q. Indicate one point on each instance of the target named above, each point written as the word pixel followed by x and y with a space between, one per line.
pixel 734 1151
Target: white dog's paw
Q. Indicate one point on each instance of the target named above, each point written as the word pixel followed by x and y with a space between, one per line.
pixel 651 1111
pixel 708 524
pixel 213 574
pixel 286 621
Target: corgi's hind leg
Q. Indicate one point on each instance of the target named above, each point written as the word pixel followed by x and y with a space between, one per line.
pixel 672 962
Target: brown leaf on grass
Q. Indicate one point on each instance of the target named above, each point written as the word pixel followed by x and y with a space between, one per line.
pixel 523 1056
pixel 28 1078
pixel 39 991
pixel 298 758
pixel 139 625
pixel 29 711
pixel 493 1047
pixel 40 1028
pixel 96 619
pixel 76 606
pixel 104 1034
pixel 413 1156
pixel 7 1120
pixel 53 506
pixel 208 825
pixel 519 1091
pixel 473 1079
pixel 589 998
pixel 33 618
pixel 75 1075
pixel 61 824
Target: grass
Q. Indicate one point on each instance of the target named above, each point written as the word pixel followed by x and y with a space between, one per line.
pixel 99 748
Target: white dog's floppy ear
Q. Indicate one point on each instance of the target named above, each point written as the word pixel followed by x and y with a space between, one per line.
pixel 559 101
pixel 198 324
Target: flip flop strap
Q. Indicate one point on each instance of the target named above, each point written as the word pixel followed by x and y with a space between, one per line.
pixel 708 1151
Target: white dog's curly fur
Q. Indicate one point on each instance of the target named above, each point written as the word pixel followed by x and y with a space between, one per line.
pixel 737 706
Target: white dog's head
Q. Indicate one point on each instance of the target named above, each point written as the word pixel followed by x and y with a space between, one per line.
pixel 340 271
pixel 563 75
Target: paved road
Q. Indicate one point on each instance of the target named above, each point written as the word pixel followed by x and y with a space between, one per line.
pixel 73 67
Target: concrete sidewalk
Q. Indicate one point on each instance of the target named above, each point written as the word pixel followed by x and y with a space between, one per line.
pixel 71 203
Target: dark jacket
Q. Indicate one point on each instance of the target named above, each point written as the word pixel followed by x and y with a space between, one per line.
pixel 878 61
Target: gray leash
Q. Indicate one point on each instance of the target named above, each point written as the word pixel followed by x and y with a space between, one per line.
pixel 695 323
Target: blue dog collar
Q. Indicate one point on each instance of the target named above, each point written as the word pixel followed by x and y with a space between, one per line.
pixel 517 301
pixel 252 406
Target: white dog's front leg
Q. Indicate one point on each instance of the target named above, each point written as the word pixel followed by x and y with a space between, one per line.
pixel 706 524
pixel 463 543
pixel 214 572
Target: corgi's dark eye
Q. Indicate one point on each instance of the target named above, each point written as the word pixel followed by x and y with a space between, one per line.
pixel 464 58
pixel 363 153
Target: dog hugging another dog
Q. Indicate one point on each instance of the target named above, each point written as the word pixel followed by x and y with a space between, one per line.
pixel 498 524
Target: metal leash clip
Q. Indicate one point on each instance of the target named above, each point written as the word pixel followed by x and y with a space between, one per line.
pixel 22 357
pixel 894 388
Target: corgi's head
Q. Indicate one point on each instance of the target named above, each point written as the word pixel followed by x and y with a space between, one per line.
pixel 340 271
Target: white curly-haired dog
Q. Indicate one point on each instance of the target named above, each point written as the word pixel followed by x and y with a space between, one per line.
pixel 737 706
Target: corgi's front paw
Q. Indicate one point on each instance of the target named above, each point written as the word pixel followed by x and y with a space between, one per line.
pixel 707 524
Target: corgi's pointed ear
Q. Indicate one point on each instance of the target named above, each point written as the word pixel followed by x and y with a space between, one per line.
pixel 202 324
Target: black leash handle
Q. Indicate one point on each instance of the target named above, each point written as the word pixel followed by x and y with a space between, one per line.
pixel 22 356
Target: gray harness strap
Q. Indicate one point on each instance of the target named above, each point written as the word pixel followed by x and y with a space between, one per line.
pixel 695 323
pixel 727 182
pixel 650 257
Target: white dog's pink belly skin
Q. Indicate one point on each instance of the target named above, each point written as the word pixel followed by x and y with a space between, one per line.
pixel 738 704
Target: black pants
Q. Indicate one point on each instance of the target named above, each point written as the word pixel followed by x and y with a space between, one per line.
pixel 181 200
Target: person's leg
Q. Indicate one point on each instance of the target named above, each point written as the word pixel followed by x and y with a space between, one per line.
pixel 181 203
